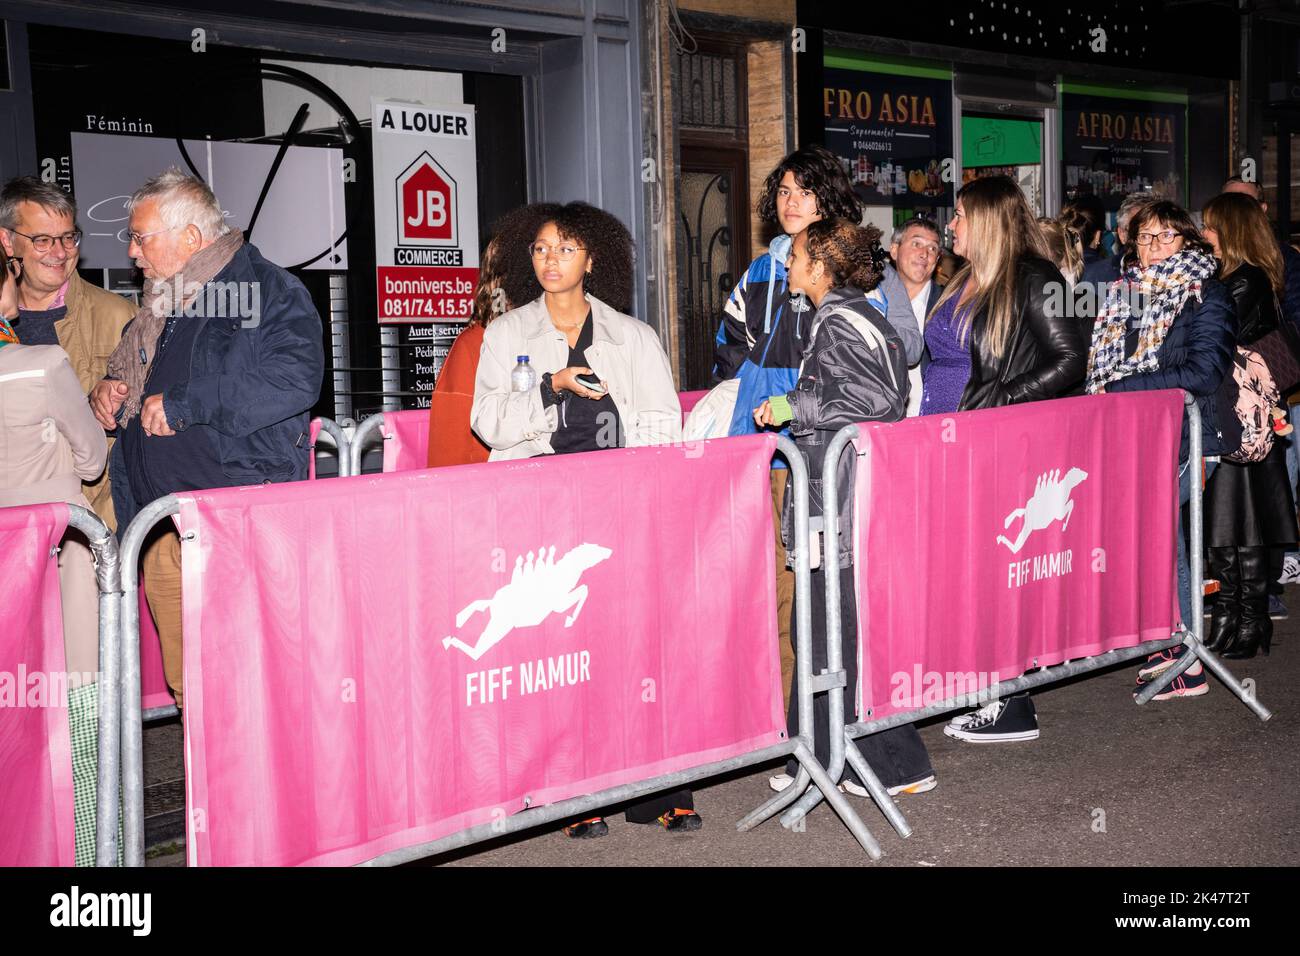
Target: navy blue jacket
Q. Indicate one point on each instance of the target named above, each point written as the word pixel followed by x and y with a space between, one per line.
pixel 1195 355
pixel 254 381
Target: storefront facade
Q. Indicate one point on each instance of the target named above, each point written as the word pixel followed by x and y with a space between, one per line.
pixel 1067 102
pixel 554 89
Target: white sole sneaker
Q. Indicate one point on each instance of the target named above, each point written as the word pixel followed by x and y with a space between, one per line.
pixel 959 733
pixel 780 781
pixel 924 785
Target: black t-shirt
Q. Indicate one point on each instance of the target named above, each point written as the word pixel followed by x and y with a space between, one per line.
pixel 37 328
pixel 188 460
pixel 586 424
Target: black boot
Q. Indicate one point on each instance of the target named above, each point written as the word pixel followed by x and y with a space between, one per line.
pixel 1256 628
pixel 1222 565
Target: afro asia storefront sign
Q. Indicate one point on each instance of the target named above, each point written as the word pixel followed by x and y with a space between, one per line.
pixel 890 124
pixel 1115 142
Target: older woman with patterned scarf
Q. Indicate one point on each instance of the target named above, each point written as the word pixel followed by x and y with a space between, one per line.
pixel 1168 323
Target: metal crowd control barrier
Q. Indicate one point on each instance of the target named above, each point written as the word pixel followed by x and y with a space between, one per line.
pixel 834 680
pixel 334 431
pixel 799 747
pixel 361 437
pixel 108 577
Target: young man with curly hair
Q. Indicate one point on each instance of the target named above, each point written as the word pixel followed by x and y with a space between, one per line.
pixel 761 339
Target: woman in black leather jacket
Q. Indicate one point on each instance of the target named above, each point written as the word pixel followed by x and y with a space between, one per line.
pixel 1249 509
pixel 1024 347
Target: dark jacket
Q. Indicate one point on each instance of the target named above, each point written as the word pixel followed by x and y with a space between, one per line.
pixel 1291 273
pixel 855 370
pixel 1257 306
pixel 1046 355
pixel 253 380
pixel 1195 355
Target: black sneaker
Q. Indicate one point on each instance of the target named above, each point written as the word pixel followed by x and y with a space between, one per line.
pixel 587 829
pixel 1002 721
pixel 685 821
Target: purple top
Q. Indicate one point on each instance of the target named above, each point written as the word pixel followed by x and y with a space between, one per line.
pixel 944 379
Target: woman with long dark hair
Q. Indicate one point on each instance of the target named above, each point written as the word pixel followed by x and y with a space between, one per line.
pixel 1249 507
pixel 995 340
pixel 854 370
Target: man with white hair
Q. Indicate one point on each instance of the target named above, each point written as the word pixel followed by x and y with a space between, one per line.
pixel 213 381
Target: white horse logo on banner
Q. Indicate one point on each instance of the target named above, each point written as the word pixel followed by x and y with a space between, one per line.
pixel 1049 502
pixel 536 590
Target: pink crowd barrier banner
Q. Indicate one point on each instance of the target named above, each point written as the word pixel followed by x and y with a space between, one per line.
pixel 993 542
pixel 154 691
pixel 406 440
pixel 313 432
pixel 36 810
pixel 406 435
pixel 485 638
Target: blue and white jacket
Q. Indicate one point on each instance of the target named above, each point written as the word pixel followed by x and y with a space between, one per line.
pixel 764 348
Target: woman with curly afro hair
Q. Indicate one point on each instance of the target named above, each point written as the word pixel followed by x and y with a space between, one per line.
pixel 603 380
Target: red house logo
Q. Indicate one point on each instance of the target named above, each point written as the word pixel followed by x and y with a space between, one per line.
pixel 426 204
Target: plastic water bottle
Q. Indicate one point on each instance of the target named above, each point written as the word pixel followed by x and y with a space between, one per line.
pixel 523 377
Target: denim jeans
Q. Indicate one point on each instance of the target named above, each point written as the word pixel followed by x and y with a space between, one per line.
pixel 1186 476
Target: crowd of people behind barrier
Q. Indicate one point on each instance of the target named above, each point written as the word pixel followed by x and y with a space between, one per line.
pixel 114 407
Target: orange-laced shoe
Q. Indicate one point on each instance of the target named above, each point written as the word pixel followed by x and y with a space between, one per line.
pixel 682 820
pixel 587 829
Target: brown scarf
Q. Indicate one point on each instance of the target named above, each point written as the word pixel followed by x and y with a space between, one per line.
pixel 134 355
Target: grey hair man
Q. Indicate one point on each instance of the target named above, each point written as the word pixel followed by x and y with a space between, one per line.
pixel 203 399
pixel 38 227
pixel 915 249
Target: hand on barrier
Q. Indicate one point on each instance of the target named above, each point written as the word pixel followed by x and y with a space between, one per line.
pixel 105 399
pixel 153 419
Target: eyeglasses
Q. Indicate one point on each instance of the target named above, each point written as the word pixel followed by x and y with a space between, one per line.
pixel 44 243
pixel 1165 238
pixel 564 252
pixel 138 238
pixel 14 267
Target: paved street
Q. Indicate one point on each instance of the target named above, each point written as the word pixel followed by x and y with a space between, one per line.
pixel 1197 782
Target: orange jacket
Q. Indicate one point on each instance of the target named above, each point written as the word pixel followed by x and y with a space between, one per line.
pixel 450 440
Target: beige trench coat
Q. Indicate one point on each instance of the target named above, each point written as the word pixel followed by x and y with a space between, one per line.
pixel 624 353
pixel 49 444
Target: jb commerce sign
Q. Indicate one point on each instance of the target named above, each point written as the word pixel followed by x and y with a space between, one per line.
pixel 426 211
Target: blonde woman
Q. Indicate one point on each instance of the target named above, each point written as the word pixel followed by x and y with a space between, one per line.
pixel 995 310
pixel 1064 248
pixel 994 316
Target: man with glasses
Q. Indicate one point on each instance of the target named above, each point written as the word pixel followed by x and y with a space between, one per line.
pixel 38 229
pixel 915 250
